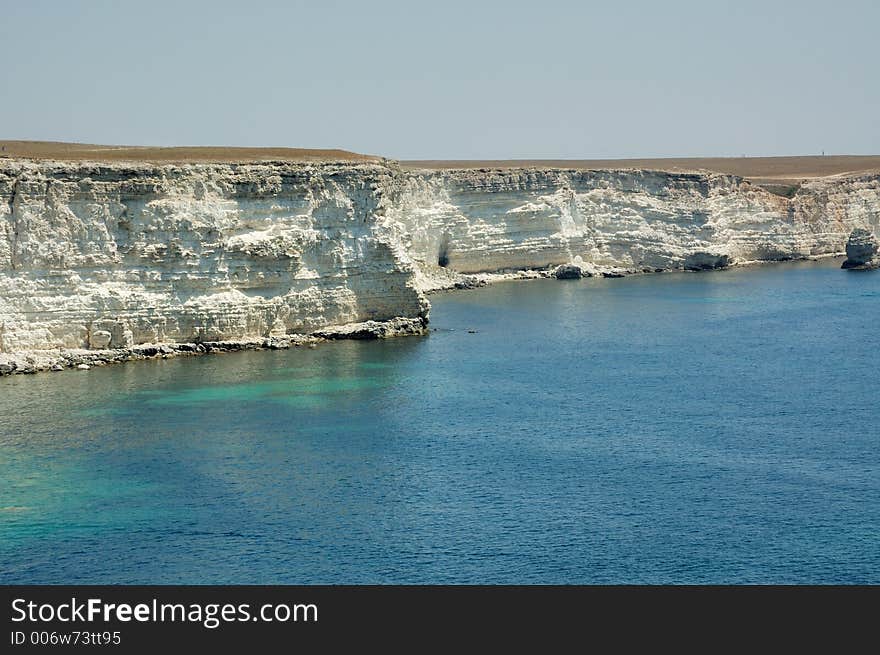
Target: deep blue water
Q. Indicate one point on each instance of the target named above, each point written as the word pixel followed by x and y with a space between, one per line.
pixel 679 428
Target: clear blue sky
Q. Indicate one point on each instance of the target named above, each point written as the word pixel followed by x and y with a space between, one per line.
pixel 448 79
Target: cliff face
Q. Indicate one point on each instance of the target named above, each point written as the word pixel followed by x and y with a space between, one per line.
pixel 104 256
pixel 116 255
pixel 482 221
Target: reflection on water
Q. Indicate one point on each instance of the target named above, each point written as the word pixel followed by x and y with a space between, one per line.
pixel 670 428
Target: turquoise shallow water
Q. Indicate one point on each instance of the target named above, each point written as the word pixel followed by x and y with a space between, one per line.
pixel 687 428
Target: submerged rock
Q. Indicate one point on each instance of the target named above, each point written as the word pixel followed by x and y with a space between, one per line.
pixel 862 250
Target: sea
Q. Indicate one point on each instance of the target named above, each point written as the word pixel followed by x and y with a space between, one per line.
pixel 677 428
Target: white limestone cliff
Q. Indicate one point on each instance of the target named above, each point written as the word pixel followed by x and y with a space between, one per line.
pixel 111 256
pixel 474 221
pixel 108 257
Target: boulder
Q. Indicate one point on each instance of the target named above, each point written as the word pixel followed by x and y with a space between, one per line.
pixel 99 339
pixel 705 261
pixel 569 272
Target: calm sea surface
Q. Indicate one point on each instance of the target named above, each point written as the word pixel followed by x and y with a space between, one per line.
pixel 677 428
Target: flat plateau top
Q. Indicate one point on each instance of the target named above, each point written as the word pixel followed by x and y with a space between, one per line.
pixel 761 169
pixel 89 152
pixel 769 171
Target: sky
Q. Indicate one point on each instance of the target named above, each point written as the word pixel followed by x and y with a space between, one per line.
pixel 448 79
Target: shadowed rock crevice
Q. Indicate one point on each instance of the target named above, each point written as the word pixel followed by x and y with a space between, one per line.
pixel 443 253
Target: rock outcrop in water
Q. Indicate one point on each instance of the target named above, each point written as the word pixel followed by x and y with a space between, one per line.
pixel 569 272
pixel 862 250
pixel 118 258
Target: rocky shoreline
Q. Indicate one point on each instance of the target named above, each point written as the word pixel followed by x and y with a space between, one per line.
pixel 580 270
pixel 82 359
